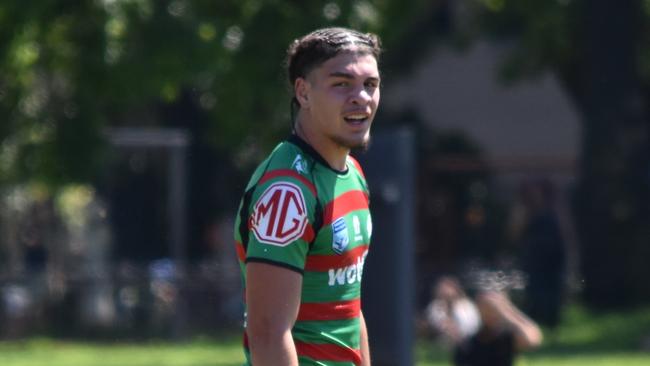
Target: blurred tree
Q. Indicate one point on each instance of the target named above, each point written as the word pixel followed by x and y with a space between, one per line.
pixel 69 69
pixel 215 68
pixel 599 52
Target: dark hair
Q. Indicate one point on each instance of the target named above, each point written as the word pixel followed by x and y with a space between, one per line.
pixel 306 53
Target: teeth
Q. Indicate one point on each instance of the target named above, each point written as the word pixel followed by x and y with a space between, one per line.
pixel 357 117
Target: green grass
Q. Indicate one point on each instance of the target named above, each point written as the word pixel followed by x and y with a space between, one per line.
pixel 584 339
pixel 46 352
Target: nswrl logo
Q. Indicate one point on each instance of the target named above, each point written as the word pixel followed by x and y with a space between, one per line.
pixel 341 238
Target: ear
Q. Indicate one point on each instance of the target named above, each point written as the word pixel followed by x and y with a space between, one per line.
pixel 302 89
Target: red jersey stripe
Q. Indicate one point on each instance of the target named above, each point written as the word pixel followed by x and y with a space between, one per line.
pixel 308 236
pixel 358 166
pixel 328 352
pixel 288 173
pixel 322 352
pixel 323 263
pixel 241 253
pixel 344 204
pixel 337 310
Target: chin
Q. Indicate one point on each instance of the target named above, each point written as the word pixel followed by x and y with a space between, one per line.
pixel 362 148
pixel 364 144
pixel 359 145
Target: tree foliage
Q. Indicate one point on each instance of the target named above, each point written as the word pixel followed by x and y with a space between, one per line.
pixel 69 69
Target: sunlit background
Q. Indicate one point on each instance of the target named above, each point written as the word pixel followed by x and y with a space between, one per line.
pixel 128 130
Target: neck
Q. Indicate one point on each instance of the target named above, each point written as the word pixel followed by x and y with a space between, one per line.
pixel 334 154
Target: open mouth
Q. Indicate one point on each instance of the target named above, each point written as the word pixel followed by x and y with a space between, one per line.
pixel 356 119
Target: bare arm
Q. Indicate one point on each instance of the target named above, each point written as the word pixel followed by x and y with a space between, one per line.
pixel 272 300
pixel 527 333
pixel 365 346
pixel 495 305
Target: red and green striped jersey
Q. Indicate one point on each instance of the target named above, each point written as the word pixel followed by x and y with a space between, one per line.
pixel 300 214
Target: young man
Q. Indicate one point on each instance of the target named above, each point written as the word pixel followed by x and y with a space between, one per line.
pixel 303 229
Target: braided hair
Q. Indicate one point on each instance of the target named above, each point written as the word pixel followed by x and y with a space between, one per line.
pixel 307 53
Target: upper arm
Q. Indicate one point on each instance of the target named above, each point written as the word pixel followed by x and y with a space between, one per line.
pixel 280 219
pixel 272 298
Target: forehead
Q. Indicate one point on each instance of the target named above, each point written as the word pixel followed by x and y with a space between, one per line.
pixel 352 63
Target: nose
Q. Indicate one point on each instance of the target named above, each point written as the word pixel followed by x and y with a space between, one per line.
pixel 361 96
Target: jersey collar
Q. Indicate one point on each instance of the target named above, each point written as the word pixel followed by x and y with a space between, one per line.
pixel 309 150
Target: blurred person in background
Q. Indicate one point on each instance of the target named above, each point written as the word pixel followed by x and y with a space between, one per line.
pixel 303 229
pixel 538 233
pixel 489 331
pixel 453 316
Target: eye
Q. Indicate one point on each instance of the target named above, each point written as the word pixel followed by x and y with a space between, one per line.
pixel 371 84
pixel 343 84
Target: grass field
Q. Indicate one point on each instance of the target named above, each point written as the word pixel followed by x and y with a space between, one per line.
pixel 584 339
pixel 46 352
pixel 611 339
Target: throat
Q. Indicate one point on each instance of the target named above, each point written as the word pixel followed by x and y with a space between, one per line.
pixel 333 152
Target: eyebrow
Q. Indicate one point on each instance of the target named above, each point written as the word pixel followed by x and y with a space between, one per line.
pixel 345 75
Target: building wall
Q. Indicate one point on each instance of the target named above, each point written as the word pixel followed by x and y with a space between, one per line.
pixel 461 91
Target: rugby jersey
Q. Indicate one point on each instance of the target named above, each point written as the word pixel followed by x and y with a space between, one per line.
pixel 300 214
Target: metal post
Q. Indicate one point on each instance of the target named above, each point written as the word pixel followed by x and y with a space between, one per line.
pixel 175 141
pixel 388 295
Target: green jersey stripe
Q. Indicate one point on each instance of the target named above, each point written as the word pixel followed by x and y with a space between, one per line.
pixel 309 362
pixel 344 333
pixel 274 263
pixel 309 352
pixel 357 166
pixel 330 286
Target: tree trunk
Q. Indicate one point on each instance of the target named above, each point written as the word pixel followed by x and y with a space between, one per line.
pixel 612 204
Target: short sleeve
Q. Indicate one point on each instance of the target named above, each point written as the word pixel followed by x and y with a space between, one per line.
pixel 280 221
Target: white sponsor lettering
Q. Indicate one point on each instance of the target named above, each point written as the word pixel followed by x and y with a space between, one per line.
pixel 369 226
pixel 350 274
pixel 337 276
pixel 357 228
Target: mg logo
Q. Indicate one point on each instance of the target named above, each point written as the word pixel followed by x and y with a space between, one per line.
pixel 279 216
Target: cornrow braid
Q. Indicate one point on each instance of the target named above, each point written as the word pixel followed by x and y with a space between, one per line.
pixel 306 53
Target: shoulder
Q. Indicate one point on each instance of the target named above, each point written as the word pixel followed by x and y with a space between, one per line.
pixel 286 163
pixel 288 166
pixel 358 174
pixel 354 164
pixel 280 190
pixel 282 199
